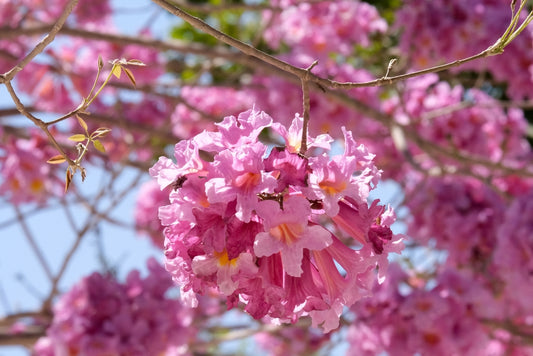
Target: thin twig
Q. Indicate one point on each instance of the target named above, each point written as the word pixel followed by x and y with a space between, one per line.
pixel 29 237
pixel 306 108
pixel 42 44
pixel 144 41
pixel 89 224
pixel 38 122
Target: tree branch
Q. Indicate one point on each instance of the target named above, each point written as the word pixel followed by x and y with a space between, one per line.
pixel 42 44
pixel 32 243
pixel 197 23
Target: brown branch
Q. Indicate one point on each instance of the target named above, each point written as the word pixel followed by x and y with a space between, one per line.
pixel 38 122
pixel 31 241
pixel 91 221
pixel 12 111
pixel 42 44
pixel 29 335
pixel 302 73
pixel 26 338
pixel 144 41
pixel 524 332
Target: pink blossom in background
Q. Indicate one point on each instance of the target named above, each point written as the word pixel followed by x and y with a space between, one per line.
pixel 321 28
pixel 24 174
pixel 41 82
pixel 466 120
pixel 100 316
pixel 92 11
pixel 464 222
pixel 446 319
pixel 464 29
pixel 513 257
pixel 202 106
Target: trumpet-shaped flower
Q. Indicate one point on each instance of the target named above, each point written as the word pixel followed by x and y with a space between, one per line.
pixel 288 232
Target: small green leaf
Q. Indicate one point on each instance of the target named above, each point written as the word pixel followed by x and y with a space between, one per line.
pixel 58 159
pixel 78 138
pixel 82 123
pixel 130 75
pixel 116 70
pixel 98 145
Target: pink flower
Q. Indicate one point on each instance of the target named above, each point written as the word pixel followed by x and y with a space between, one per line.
pixel 188 161
pixel 234 132
pixel 322 28
pixel 26 177
pixel 288 232
pixel 293 136
pixel 240 176
pixel 226 269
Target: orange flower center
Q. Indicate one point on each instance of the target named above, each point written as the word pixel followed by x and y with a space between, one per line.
pixel 287 232
pixel 36 185
pixel 247 180
pixel 223 259
pixel 332 188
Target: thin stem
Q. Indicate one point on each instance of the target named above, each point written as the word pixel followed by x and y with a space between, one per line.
pixel 306 108
pixel 29 237
pixel 89 224
pixel 38 122
pixel 88 102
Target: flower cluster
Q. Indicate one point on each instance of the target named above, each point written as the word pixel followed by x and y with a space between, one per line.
pixel 457 315
pixel 466 121
pixel 513 257
pixel 464 222
pixel 202 104
pixel 250 220
pixel 444 30
pixel 24 174
pixel 323 27
pixel 100 316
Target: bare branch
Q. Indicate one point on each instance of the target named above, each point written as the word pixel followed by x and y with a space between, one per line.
pixel 31 241
pixel 197 23
pixel 42 44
